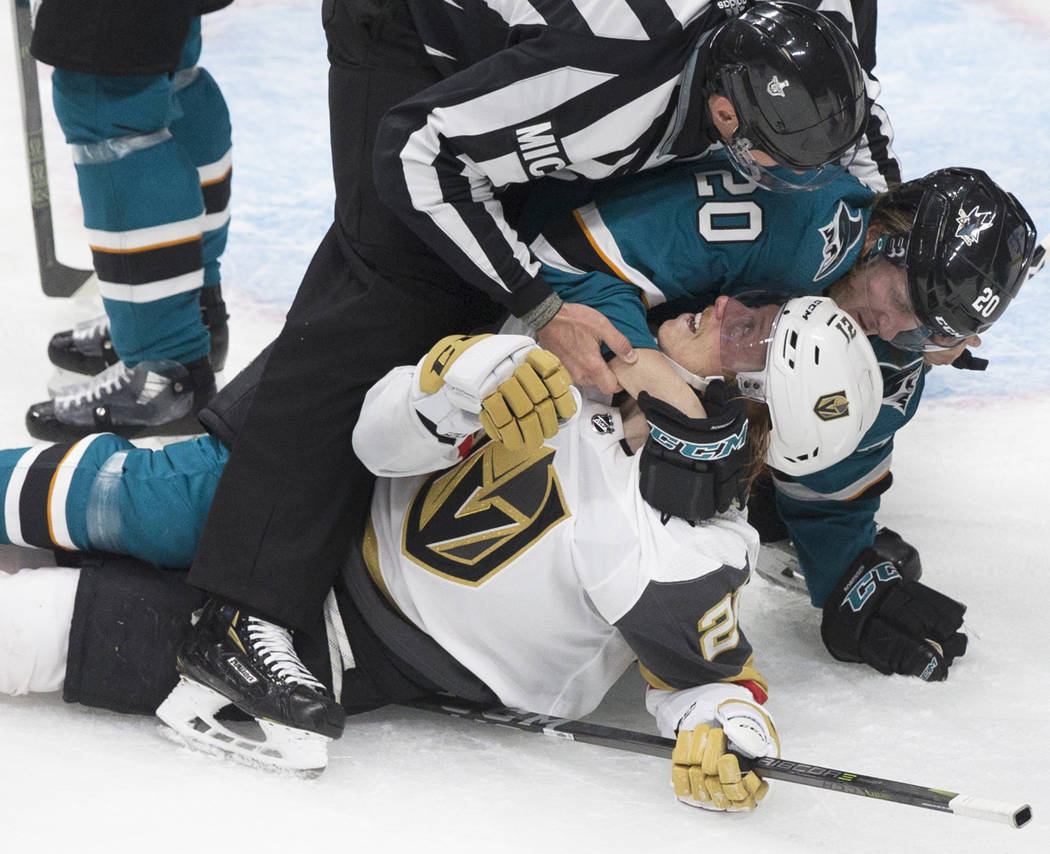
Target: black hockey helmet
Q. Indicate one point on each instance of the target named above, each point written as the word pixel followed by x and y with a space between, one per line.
pixel 795 83
pixel 967 253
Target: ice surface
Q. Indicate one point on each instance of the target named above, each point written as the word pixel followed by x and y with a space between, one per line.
pixel 965 84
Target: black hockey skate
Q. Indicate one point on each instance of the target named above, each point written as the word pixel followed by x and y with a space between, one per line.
pixel 233 658
pixel 87 349
pixel 153 398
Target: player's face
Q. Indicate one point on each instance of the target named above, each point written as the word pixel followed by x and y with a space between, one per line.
pixel 763 159
pixel 877 297
pixel 725 338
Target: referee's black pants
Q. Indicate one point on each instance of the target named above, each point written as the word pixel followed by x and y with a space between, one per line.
pixel 373 297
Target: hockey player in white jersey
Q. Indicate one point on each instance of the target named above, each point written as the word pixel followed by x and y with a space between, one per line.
pixel 531 566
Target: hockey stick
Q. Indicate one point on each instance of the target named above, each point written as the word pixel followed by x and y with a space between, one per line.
pixel 56 278
pixel 770 769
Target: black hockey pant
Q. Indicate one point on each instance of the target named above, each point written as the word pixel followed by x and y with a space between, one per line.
pixel 373 297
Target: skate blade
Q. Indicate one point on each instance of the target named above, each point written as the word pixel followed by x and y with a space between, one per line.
pixel 189 715
pixel 780 568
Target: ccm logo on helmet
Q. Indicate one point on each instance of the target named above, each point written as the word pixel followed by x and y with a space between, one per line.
pixel 842 322
pixel 947 326
pixel 540 151
pixel 832 406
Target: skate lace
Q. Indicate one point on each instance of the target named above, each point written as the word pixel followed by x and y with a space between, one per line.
pixel 273 645
pixel 104 383
pixel 95 328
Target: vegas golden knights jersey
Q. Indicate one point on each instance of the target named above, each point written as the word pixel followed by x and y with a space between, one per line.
pixel 544 572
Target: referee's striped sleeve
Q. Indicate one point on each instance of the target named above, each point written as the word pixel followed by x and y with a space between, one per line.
pixel 511 119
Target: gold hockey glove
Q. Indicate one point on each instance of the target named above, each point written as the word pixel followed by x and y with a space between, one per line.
pixel 703 771
pixel 505 384
pixel 527 409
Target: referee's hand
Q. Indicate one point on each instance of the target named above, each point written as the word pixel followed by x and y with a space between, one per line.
pixel 575 335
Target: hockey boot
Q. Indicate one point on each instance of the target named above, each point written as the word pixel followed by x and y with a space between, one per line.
pixel 84 349
pixel 88 349
pixel 233 658
pixel 153 398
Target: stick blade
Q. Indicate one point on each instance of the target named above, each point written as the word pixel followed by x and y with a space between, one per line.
pixel 59 280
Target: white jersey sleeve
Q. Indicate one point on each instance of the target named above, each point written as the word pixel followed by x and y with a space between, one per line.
pixel 389 437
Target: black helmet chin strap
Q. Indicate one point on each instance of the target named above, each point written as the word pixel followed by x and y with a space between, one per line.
pixel 967 361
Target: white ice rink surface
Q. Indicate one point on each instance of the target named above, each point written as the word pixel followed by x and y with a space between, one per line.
pixel 966 83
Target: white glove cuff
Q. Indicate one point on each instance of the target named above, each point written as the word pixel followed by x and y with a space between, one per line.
pixel 473 376
pixel 748 728
pixel 688 708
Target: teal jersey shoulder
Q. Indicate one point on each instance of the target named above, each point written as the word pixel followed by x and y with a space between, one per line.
pixel 692 231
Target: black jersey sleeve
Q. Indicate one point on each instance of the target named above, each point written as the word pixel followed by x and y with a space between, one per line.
pixel 687 633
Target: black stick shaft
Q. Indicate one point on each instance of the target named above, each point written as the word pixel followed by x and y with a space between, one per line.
pixel 56 279
pixel 787 770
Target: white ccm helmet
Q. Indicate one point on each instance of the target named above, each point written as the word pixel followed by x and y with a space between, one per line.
pixel 822 385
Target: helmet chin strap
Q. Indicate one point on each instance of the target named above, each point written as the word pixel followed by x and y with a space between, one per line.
pixel 697 382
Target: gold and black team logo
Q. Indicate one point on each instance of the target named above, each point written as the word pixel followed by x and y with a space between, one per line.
pixel 466 524
pixel 832 406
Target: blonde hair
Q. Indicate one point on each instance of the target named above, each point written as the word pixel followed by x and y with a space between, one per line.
pixel 886 218
pixel 758 427
pixel 889 218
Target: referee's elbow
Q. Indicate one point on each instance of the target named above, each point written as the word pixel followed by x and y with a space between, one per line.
pixel 390 160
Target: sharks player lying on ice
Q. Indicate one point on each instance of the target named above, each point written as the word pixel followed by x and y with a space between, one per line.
pixel 529 568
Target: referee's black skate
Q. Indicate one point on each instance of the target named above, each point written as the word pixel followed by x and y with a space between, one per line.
pixel 154 398
pixel 233 658
pixel 87 349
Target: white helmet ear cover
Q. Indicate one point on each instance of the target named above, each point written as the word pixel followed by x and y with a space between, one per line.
pixel 822 385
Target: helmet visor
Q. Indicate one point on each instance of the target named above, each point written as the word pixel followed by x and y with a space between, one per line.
pixel 922 339
pixel 781 179
pixel 744 339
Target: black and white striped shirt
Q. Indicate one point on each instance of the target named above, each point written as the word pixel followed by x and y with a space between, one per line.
pixel 592 88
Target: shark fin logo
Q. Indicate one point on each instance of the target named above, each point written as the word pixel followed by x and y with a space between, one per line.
pixel 972 223
pixel 899 383
pixel 841 235
pixel 467 523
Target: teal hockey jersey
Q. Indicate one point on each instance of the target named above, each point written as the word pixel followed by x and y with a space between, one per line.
pixel 687 233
